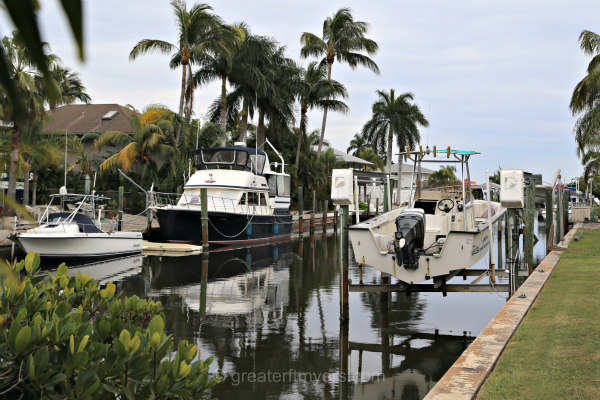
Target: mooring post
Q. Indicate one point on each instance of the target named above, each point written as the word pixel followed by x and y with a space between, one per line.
pixel 120 213
pixel 490 227
pixel 529 222
pixel 204 217
pixel 204 283
pixel 566 201
pixel 300 210
pixel 549 220
pixel 558 229
pixel 325 206
pixel 376 206
pixel 385 198
pixel 312 213
pixel 344 270
pixel 499 265
pixel 335 219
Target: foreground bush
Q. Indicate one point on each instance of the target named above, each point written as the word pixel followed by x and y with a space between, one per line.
pixel 65 337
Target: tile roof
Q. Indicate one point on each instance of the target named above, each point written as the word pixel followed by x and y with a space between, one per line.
pixel 84 118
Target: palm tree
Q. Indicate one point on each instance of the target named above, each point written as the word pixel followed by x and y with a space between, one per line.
pixel 343 40
pixel 22 70
pixel 358 142
pixel 586 100
pixel 200 32
pixel 147 143
pixel 316 91
pixel 220 66
pixel 394 116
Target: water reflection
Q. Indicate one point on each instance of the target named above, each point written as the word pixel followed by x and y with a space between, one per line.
pixel 270 317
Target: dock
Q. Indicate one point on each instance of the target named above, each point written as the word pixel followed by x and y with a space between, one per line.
pixel 172 249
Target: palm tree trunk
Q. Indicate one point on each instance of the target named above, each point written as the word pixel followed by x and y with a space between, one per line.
pixel 191 94
pixel 244 122
pixel 223 116
pixel 181 98
pixel 260 129
pixel 26 188
pixel 329 65
pixel 34 190
pixel 12 169
pixel 300 135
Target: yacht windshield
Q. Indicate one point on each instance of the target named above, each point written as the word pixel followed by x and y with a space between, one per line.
pixel 229 158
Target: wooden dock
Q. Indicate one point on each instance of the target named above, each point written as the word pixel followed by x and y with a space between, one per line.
pixel 171 249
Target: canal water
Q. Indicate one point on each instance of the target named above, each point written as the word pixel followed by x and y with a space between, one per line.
pixel 269 316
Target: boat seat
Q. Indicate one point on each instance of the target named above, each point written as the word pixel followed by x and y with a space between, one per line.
pixel 435 226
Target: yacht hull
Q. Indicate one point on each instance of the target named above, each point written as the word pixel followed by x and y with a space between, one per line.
pixel 81 245
pixel 224 228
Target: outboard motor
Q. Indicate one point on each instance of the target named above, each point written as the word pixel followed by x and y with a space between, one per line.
pixel 410 233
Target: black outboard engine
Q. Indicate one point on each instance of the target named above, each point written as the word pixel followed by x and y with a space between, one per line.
pixel 410 233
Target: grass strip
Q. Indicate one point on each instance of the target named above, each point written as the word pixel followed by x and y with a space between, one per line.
pixel 555 351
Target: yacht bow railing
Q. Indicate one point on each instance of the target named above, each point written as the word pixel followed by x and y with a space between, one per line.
pixel 214 203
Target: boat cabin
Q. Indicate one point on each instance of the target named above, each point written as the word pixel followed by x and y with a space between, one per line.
pixel 233 158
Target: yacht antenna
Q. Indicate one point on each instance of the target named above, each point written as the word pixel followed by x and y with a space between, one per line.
pixel 66 157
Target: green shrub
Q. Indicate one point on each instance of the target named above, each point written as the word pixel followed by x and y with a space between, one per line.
pixel 66 337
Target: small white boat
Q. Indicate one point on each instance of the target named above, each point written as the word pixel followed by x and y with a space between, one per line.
pixel 74 234
pixel 436 236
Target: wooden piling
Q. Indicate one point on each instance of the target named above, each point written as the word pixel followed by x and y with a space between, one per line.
pixel 325 206
pixel 204 284
pixel 344 271
pixel 385 198
pixel 335 219
pixel 499 264
pixel 558 229
pixel 565 211
pixel 204 216
pixel 312 213
pixel 529 223
pixel 120 214
pixel 301 210
pixel 549 214
pixel 377 206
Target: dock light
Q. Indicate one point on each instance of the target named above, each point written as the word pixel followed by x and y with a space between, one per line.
pixel 448 152
pixel 434 151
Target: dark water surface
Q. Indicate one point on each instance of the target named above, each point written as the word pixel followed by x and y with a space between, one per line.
pixel 269 316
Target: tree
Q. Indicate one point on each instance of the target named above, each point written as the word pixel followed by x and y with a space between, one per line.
pixel 146 145
pixel 199 32
pixel 23 73
pixel 220 66
pixel 357 143
pixel 446 174
pixel 394 116
pixel 586 101
pixel 343 40
pixel 316 91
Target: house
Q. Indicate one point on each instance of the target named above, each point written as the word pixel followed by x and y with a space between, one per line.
pixel 350 160
pixel 79 119
pixel 407 180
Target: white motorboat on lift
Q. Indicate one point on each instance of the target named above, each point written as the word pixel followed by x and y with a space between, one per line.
pixel 436 236
pixel 75 234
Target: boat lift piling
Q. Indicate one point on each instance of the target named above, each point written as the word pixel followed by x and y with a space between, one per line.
pixel 204 216
pixel 301 210
pixel 120 214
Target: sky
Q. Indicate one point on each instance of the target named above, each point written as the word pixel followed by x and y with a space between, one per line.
pixel 491 76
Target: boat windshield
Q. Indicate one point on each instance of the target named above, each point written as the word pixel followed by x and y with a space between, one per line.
pixel 230 158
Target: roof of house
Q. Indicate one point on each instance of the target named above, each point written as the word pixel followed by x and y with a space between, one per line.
pixel 406 168
pixel 84 118
pixel 347 158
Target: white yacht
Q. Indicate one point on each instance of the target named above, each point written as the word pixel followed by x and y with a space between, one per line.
pixel 74 234
pixel 247 201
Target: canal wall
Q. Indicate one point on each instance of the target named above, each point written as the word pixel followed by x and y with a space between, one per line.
pixel 468 374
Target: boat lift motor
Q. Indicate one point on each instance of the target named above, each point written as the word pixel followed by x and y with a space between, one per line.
pixel 410 233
